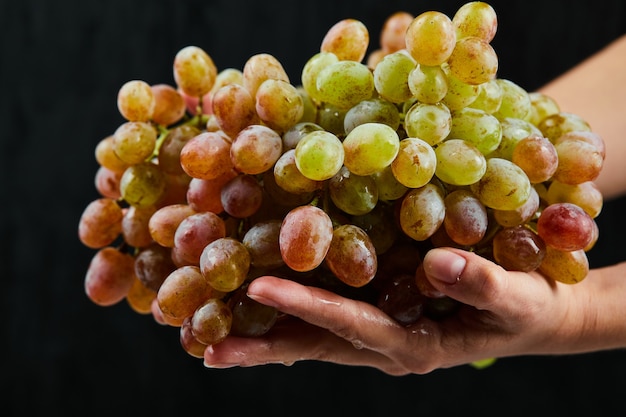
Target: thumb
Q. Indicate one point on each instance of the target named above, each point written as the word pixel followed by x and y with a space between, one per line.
pixel 467 277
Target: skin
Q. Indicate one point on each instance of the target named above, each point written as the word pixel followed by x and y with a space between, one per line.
pixel 506 311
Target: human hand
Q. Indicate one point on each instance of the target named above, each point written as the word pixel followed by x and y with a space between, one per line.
pixel 504 313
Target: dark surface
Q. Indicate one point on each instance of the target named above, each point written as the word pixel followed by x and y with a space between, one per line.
pixel 61 66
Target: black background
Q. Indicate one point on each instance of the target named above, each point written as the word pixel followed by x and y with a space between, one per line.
pixel 61 64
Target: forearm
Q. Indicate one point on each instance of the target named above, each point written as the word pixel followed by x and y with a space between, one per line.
pixel 596 90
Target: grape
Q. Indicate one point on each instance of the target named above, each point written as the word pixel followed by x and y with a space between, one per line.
pixel 429 122
pixel 489 97
pixel 477 127
pixel 402 300
pixel 182 292
pixel 541 106
pixel 211 322
pixel 288 176
pixel 153 264
pixel 345 83
pixel 475 18
pixel 261 240
pixel 428 84
pixel 515 101
pixel 459 162
pixel 107 183
pixel 391 77
pixel 164 222
pixel 332 119
pixel 369 148
pixel 206 156
pixel 106 156
pixel 169 105
pixel 305 236
pixel 348 39
pixel 466 217
pixel 134 142
pixel 430 38
pixel 578 161
pixel 100 223
pixel 473 61
pixel 585 195
pixel 109 276
pixel 292 136
pixel 586 136
pixel 565 226
pixel 311 71
pixel 537 157
pixel 140 297
pixel 513 131
pixel 234 109
pixel 194 71
pixel 521 215
pixel 422 211
pixel 171 146
pixel 459 93
pixel 255 149
pixel 279 104
pixel 568 267
pixel 375 110
pixel 352 256
pixel 135 101
pixel 261 67
pixel 241 196
pixel 195 232
pixel 250 318
pixel 415 163
pixel 205 195
pixel 319 155
pixel 504 186
pixel 391 37
pixel 224 263
pixel 135 228
pixel 142 185
pixel 352 193
pixel 380 226
pixel 558 124
pixel 188 341
pixel 518 249
pixel 389 188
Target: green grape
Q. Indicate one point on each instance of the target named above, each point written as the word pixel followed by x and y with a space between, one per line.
pixel 234 109
pixel 194 71
pixel 169 105
pixel 135 101
pixel 429 122
pixel 345 83
pixel 415 164
pixel 475 18
pixel 513 131
pixel 331 118
pixel 476 127
pixel 459 94
pixel 100 223
pixel 375 110
pixel 352 193
pixel 422 212
pixel 389 188
pixel 459 162
pixel 289 178
pixel 473 61
pixel 256 149
pixel 541 106
pixel 515 101
pixel 369 148
pixel 391 77
pixel 279 104
pixel 319 155
pixel 430 38
pixel 489 97
pixel 558 124
pixel 292 136
pixel 134 142
pixel 225 263
pixel 109 276
pixel 521 215
pixel 211 322
pixel 261 67
pixel 428 84
pixel 348 39
pixel 380 226
pixel 504 186
pixel 142 185
pixel 309 108
pixel 311 71
pixel 351 256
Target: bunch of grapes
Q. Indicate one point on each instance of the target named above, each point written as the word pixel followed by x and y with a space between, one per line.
pixel 343 180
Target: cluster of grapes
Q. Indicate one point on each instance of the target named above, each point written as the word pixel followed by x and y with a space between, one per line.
pixel 342 181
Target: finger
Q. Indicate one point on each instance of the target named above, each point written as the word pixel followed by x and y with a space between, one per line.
pixel 291 341
pixel 360 323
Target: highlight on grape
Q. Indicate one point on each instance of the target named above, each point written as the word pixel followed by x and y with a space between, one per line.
pixel 342 179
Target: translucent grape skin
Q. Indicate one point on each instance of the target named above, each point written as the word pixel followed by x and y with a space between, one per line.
pixel 206 156
pixel 279 104
pixel 518 249
pixel 142 185
pixel 353 194
pixel 305 237
pixel 109 276
pixel 135 101
pixel 256 149
pixel 422 212
pixel 370 147
pixel 234 109
pixel 182 292
pixel 415 163
pixel 242 196
pixel 134 142
pixel 430 38
pixel 345 83
pixel 194 71
pixel 352 256
pixel 466 218
pixel 169 105
pixel 348 39
pixel 568 267
pixel 565 226
pixel 504 186
pixel 100 223
pixel 537 156
pixel 211 322
pixel 225 263
pixel 473 60
pixel 476 18
pixel 319 155
pixel 195 232
pixel 459 162
pixel 261 67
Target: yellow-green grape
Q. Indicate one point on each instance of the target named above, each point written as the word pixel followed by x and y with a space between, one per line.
pixel 309 108
pixel 374 110
pixel 331 118
pixel 134 142
pixel 515 101
pixel 430 38
pixel 348 39
pixel 279 104
pixel 520 215
pixel 261 67
pixel 476 18
pixel 391 77
pixel 568 267
pixel 477 127
pixel 504 186
pixel 380 225
pixel 228 76
pixel 194 71
pixel 370 147
pixel 473 61
pixel 558 124
pixel 585 195
pixel 489 97
pixel 292 136
pixel 345 83
pixel 460 94
pixel 353 194
pixel 225 263
pixel 288 176
pixel 429 122
pixel 415 164
pixel 311 71
pixel 135 101
pixel 142 185
pixel 319 155
pixel 541 106
pixel 422 212
pixel 459 162
pixel 389 188
pixel 513 131
pixel 428 84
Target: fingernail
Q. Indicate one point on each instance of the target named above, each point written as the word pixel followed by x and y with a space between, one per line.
pixel 262 300
pixel 219 365
pixel 444 265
